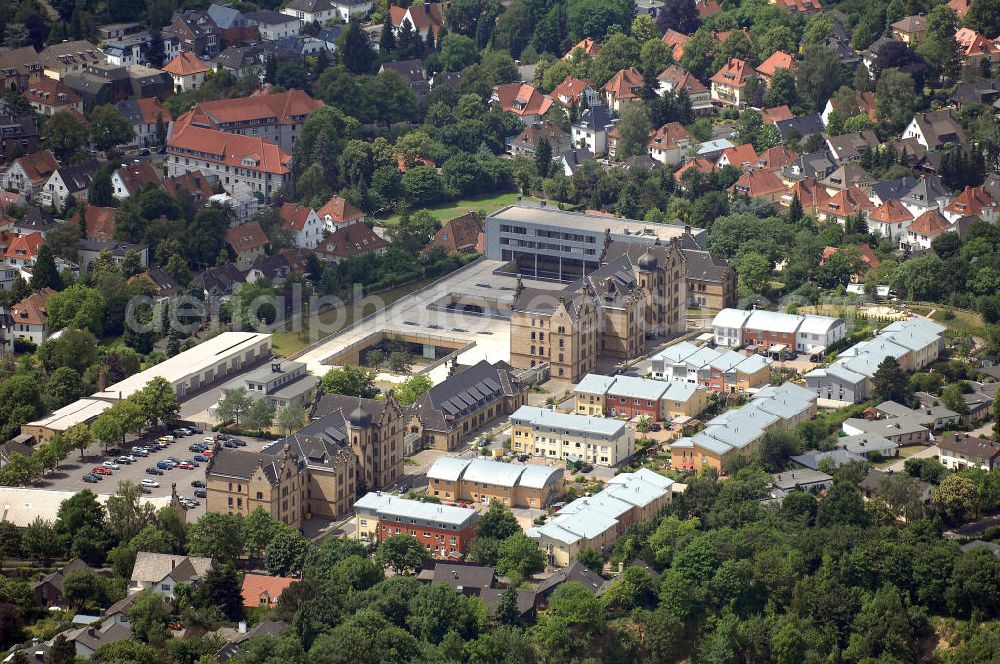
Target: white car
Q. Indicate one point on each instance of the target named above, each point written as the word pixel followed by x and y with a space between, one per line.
pixel 168 437
pixel 111 464
pixel 150 483
pixel 209 441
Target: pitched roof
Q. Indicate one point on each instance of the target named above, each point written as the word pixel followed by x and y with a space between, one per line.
pixel 289 107
pixel 246 236
pixel 972 200
pixel 532 134
pixel 136 176
pixel 739 155
pixel 776 158
pixel 865 252
pixel 429 16
pixel 670 135
pixel 852 145
pixel 735 72
pixel 353 240
pixel 143 111
pixel 51 92
pixel 263 590
pixel 891 212
pixel 846 203
pixel 910 24
pixel 25 60
pixel 294 217
pixel 679 78
pixel 31 310
pixel 76 53
pixel 340 210
pixel 977 448
pixel 777 60
pixel 459 233
pixel 193 182
pixel 98 221
pixel 162 282
pixel 153 567
pixel 444 405
pixel 940 127
pixel 810 192
pixel 38 166
pixel 931 224
pixel 24 247
pixel 776 114
pixel 185 63
pixel 587 45
pixel 521 99
pixel 799 6
pixel 571 88
pixel 232 150
pixel 757 183
pixel 699 164
pixel 675 41
pixel 77 177
pixel 625 84
pixel 961 7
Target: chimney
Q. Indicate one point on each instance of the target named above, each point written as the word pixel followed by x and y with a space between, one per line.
pixel 101 380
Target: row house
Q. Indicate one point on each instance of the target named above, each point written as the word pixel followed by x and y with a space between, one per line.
pixel 736 327
pixel 960 451
pixel 443 530
pixel 716 370
pixel 234 159
pixel 633 397
pixel 483 481
pixel 564 437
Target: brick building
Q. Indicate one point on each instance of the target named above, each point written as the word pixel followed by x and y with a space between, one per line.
pixel 630 396
pixel 444 530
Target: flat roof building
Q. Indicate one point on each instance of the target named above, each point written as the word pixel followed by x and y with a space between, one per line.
pixel 82 411
pixel 570 437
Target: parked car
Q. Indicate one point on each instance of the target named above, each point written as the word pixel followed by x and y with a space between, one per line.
pixel 164 465
pixel 239 443
pixel 101 470
pixel 90 478
pixel 174 459
pixel 200 458
pixel 114 451
pixel 587 468
pixel 208 454
pixel 198 484
pixel 111 464
pixel 167 437
pixel 153 471
pixel 182 432
pixel 197 447
pixel 123 459
pixel 146 490
pixel 144 152
pixel 230 444
pixel 200 493
pixel 148 482
pixel 209 440
pixel 184 465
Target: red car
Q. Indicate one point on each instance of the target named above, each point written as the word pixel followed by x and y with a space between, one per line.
pixel 101 470
pixel 185 465
pixel 207 454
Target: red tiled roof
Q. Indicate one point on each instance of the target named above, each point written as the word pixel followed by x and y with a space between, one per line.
pixel 669 136
pixel 799 6
pixel 810 192
pixel 723 35
pixel 864 252
pixel 776 114
pixel 294 217
pixel 353 240
pixel 971 201
pixel 150 108
pixel 521 99
pixel 246 236
pixel 699 164
pixel 675 41
pixel 777 60
pixel 31 310
pixel 931 223
pixel 99 222
pixel 572 88
pixel 740 155
pixel 261 590
pixel 229 149
pixel 734 73
pixel 891 212
pixel 137 176
pixel 193 182
pixel 756 184
pixel 283 108
pixel 625 84
pixel 38 166
pixel 971 43
pixel 587 45
pixel 961 7
pixel 339 210
pixel 681 79
pixel 427 16
pixel 296 257
pixel 846 203
pixel 24 247
pixel 707 8
pixel 776 158
pixel 459 234
pixel 51 92
pixel 185 64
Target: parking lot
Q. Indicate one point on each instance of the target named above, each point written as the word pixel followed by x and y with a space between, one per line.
pixel 70 475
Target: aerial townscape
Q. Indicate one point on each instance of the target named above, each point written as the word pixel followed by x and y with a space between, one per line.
pixel 499 332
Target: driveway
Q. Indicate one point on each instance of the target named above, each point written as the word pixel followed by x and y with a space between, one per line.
pixel 926 453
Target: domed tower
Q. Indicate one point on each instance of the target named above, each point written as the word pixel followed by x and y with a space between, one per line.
pixel 359 432
pixel 647 262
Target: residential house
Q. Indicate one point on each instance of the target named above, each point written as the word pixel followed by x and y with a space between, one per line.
pixel 774 160
pixel 220 280
pixel 195 31
pixel 866 445
pixel 232 26
pixel 716 370
pixel 248 241
pixel 774 62
pixel 843 205
pixel 18 136
pixel 68 182
pixel 260 590
pixel 633 397
pixel 574 92
pixel 798 6
pixel 428 17
pixel 890 220
pixel 976 92
pixel 973 201
pixel 961 7
pixel 522 100
pixel 444 530
pixel 911 30
pixel 303 223
pixel 350 240
pixel 131 179
pixel 865 254
pixel 484 481
pixel 98 222
pixel 68 57
pixel 101 83
pixel 338 212
pixel 975 49
pixel 273 25
pixel 147 82
pixel 800 128
pixel 412 73
pixel 591 130
pixel 163 284
pixel 928 194
pixel 698 165
pixel 49 96
pixel 277 118
pixel 735 327
pixel 928 411
pixel 936 129
pixel 27 175
pixel 776 114
pixel 48 590
pixel 201 191
pixel 848 176
pixel 675 41
pixel 312 11
pixel 922 231
pixel 29 317
pixel 809 166
pixel 145 116
pixel 907 429
pixel 574 158
pixel 960 451
pixel 800 479
pixel 459 234
pixel 740 156
pixel 161 572
pixel 89 250
pixel 187 72
pixel 711 282
pixel 234 159
pixel 895 189
pixel 729 84
pixel 865 102
pixel 757 184
pixel 851 146
pixel 669 144
pixel 465 401
pixel 525 143
pixel 35 220
pixel 568 437
pixel 624 88
pixel 675 79
pixel 19 67
pixel 585 46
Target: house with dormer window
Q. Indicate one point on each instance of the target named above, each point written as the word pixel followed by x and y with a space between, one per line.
pixel 729 84
pixel 522 100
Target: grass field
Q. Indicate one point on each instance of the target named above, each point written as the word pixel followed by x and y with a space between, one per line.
pixel 285 343
pixel 446 211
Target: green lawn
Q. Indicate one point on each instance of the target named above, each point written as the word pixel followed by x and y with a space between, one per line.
pixel 488 204
pixel 285 344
